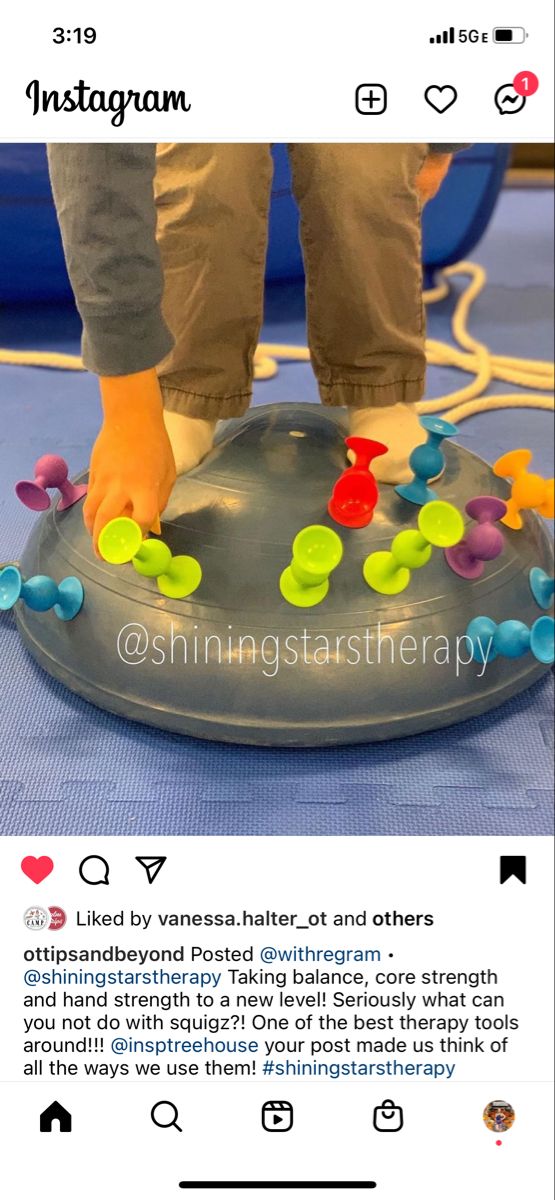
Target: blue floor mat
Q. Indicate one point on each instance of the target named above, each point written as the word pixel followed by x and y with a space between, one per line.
pixel 67 768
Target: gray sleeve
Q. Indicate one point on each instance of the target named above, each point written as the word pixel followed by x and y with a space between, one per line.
pixel 104 197
pixel 448 147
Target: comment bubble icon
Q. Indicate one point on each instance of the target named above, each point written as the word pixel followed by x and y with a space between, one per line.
pixel 94 870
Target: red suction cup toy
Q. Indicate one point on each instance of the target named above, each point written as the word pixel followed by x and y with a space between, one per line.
pixel 356 494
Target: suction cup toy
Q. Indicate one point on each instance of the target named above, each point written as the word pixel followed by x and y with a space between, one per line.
pixel 51 471
pixel 528 490
pixel 389 571
pixel 512 639
pixel 355 494
pixel 153 558
pixel 483 543
pixel 271 474
pixel 542 587
pixel 427 461
pixel 40 593
pixel 317 551
pixel 121 541
pixel 176 576
pixel 182 577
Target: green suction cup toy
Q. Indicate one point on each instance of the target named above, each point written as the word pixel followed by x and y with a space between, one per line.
pixel 389 571
pixel 182 577
pixel 120 541
pixel 441 524
pixel 152 559
pixel 317 551
pixel 176 576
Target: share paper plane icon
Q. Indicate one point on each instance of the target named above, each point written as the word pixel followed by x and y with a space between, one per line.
pixel 152 866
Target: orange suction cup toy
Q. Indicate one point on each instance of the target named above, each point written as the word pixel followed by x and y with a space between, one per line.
pixel 528 490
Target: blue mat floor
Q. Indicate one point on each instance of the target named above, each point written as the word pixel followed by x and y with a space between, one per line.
pixel 67 768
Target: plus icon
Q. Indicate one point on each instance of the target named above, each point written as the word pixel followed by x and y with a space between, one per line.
pixel 371 99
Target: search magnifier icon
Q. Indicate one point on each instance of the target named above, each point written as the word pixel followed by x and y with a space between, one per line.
pixel 164 1114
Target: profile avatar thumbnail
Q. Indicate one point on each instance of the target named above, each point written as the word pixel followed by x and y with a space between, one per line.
pixel 499 1116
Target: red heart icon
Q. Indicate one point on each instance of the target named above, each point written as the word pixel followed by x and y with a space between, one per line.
pixel 37 868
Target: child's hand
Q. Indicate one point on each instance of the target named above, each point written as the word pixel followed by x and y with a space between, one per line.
pixel 132 469
pixel 431 175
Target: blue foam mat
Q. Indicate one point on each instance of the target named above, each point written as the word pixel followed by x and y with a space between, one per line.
pixel 67 768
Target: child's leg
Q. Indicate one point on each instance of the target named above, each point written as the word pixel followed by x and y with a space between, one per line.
pixel 360 227
pixel 212 220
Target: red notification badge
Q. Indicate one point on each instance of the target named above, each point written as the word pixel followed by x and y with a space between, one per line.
pixel 526 83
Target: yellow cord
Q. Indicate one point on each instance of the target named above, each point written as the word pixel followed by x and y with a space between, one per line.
pixel 468 355
pixel 41 358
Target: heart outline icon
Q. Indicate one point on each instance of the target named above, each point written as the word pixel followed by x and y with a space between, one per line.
pixel 438 103
pixel 37 869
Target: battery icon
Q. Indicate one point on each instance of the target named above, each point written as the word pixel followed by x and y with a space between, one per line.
pixel 509 34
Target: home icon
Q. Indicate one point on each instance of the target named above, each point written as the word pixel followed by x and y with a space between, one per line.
pixel 55 1113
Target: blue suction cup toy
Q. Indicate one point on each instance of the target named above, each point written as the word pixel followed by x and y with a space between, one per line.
pixel 40 593
pixel 542 640
pixel 10 587
pixel 512 639
pixel 427 461
pixel 542 587
pixel 70 598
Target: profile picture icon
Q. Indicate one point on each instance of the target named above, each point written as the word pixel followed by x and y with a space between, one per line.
pixel 499 1116
pixel 36 918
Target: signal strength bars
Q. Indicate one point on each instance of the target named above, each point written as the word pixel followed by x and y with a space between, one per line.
pixel 447 37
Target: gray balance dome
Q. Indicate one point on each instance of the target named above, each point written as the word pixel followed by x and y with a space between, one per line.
pixel 294 679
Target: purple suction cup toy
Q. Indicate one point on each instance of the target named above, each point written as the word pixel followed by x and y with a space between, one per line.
pixel 483 542
pixel 51 471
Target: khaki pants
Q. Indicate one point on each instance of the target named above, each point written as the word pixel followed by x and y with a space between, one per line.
pixel 361 239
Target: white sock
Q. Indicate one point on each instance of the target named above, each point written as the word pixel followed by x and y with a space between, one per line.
pixel 191 439
pixel 398 427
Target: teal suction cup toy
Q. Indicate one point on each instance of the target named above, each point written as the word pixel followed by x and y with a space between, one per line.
pixel 40 593
pixel 427 461
pixel 512 639
pixel 542 587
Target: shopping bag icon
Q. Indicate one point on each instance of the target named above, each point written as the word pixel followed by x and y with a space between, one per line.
pixel 388 1117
